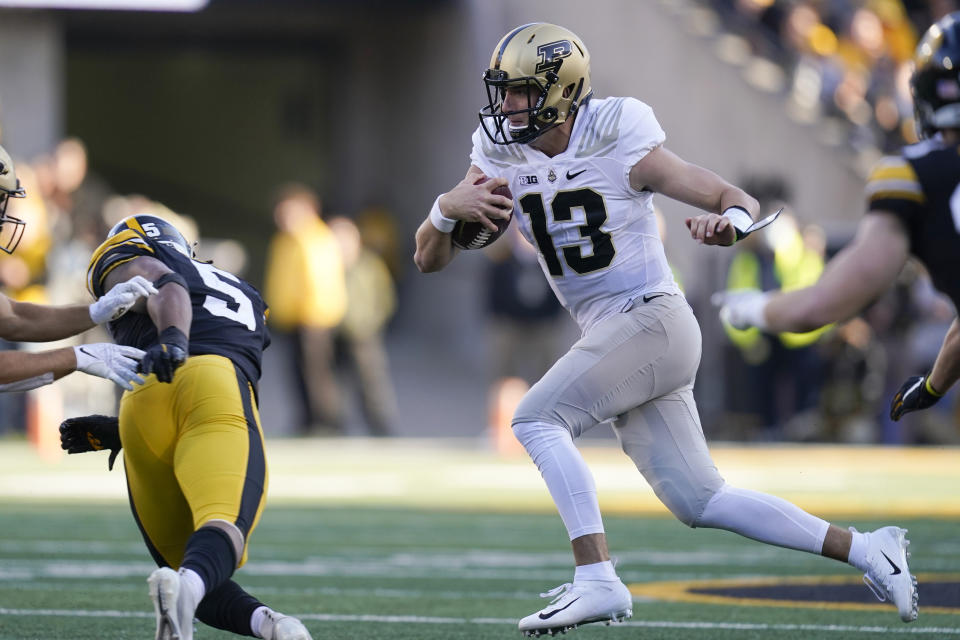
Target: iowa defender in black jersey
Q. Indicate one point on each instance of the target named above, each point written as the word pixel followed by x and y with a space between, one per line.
pixel 191 434
pixel 913 208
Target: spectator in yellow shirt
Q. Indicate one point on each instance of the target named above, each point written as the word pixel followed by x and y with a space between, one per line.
pixel 308 298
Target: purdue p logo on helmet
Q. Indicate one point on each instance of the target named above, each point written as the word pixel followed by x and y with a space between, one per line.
pixel 11 229
pixel 552 64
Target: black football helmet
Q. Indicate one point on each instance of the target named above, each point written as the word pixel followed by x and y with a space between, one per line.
pixel 155 228
pixel 11 229
pixel 541 56
pixel 935 82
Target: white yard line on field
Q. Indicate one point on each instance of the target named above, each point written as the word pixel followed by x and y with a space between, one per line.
pixel 647 624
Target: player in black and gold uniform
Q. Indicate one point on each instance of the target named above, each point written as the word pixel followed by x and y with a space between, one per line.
pixel 913 208
pixel 913 202
pixel 194 457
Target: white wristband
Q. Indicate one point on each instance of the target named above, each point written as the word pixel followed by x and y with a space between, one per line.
pixel 442 223
pixel 740 219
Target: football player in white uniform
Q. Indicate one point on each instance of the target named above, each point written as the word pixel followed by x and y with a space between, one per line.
pixel 26 322
pixel 913 202
pixel 583 172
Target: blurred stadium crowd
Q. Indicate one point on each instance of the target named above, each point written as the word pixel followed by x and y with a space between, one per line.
pixel 846 60
pixel 829 385
pixel 331 292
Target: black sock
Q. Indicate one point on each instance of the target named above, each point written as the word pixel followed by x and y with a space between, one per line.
pixel 228 607
pixel 210 553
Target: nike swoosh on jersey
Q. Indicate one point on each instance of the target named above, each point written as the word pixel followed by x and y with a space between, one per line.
pixel 896 569
pixel 571 176
pixel 547 616
pixel 653 297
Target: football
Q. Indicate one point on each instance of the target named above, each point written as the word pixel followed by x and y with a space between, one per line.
pixel 473 235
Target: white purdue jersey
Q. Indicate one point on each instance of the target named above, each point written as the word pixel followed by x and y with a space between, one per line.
pixel 596 236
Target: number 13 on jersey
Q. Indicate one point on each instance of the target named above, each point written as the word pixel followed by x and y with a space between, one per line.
pixel 562 206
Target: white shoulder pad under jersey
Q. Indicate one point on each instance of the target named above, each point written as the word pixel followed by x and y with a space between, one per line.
pixel 596 236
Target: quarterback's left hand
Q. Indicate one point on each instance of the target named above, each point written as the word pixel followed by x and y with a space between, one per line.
pixel 711 228
pixel 119 299
pixel 742 308
pixel 915 394
pixel 91 433
pixel 165 357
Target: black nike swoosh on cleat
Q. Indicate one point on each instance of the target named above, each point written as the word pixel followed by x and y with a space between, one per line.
pixel 547 616
pixel 896 569
pixel 571 176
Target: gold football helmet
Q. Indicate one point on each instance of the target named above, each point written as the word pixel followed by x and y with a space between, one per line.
pixel 552 64
pixel 11 229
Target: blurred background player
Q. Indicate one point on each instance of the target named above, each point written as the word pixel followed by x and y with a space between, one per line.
pixel 911 210
pixel 359 338
pixel 773 380
pixel 583 173
pixel 27 322
pixel 192 438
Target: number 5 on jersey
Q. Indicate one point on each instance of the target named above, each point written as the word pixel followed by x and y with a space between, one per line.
pixel 235 305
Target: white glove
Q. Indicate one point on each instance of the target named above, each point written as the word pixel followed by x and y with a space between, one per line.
pixel 118 300
pixel 742 308
pixel 111 361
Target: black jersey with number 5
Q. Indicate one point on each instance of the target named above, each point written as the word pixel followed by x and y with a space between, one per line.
pixel 228 313
pixel 922 187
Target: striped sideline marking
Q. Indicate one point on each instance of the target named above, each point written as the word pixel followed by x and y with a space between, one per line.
pixel 646 624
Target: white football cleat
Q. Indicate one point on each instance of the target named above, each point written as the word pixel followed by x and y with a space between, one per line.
pixel 164 586
pixel 579 603
pixel 276 626
pixel 888 575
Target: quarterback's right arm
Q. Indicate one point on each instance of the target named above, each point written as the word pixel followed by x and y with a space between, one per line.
pixel 467 201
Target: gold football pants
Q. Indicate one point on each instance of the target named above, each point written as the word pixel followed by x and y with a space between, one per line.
pixel 193 452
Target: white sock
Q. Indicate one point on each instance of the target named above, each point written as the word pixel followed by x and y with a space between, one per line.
pixel 256 619
pixel 858 550
pixel 596 571
pixel 566 474
pixel 193 583
pixel 763 517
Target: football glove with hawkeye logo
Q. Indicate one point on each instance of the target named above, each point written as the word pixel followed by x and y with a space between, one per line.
pixel 915 394
pixel 91 433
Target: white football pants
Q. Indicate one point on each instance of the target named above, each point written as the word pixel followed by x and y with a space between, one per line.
pixel 637 368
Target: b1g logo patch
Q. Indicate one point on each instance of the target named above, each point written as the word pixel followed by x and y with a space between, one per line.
pixel 552 55
pixel 528 180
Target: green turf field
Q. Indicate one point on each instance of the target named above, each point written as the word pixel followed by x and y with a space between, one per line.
pixel 75 569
